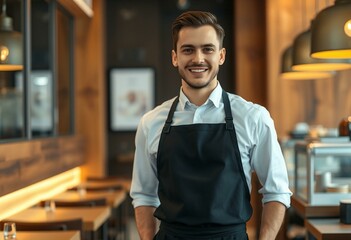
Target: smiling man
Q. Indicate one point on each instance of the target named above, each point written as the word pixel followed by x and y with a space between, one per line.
pixel 196 152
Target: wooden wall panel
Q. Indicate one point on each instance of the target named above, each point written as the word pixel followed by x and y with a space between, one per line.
pixel 63 74
pixel 250 78
pixel 90 89
pixel 25 163
pixel 250 51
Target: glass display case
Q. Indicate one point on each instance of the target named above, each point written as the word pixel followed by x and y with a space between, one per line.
pixel 322 172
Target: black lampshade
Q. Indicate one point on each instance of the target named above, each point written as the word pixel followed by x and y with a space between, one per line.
pixel 302 60
pixel 287 73
pixel 331 32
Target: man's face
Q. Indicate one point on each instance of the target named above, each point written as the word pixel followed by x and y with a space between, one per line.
pixel 198 56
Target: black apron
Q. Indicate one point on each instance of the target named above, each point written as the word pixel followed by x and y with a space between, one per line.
pixel 202 186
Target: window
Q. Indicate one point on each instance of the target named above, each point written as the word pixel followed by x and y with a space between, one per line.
pixel 41 75
pixel 37 100
pixel 11 64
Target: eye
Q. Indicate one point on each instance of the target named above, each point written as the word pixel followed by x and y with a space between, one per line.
pixel 208 50
pixel 187 50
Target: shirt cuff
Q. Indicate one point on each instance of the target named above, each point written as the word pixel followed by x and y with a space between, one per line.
pixel 152 202
pixel 282 198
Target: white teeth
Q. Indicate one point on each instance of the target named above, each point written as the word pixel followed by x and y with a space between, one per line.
pixel 197 70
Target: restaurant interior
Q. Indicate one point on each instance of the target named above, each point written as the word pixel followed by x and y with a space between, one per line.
pixel 77 75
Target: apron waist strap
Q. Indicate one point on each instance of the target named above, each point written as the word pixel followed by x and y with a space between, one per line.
pixel 206 230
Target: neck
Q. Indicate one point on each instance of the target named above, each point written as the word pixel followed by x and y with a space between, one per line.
pixel 198 96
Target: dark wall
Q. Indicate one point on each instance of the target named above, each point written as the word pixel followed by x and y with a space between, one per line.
pixel 138 33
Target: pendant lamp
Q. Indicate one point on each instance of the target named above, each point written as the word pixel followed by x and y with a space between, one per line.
pixel 302 61
pixel 331 32
pixel 287 73
pixel 10 44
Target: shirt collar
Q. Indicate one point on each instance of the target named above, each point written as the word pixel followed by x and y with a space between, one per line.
pixel 215 97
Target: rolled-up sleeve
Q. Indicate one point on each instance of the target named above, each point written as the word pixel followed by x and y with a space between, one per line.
pixel 268 162
pixel 144 181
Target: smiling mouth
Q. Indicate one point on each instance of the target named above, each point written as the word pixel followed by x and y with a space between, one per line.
pixel 198 70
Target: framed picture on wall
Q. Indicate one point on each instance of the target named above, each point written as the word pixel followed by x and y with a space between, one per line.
pixel 132 94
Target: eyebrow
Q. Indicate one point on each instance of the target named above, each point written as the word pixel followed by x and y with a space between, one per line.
pixel 202 46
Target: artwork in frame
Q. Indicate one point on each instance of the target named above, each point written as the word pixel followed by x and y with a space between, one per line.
pixel 132 94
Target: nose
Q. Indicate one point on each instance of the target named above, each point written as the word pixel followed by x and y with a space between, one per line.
pixel 198 57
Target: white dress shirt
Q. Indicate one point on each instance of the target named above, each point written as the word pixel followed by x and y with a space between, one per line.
pixel 256 136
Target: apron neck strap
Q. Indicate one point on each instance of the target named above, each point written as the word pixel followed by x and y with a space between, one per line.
pixel 168 123
pixel 228 111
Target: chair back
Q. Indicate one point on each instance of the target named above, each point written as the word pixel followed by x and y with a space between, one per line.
pixel 81 203
pixel 70 224
pixel 99 188
pixel 101 179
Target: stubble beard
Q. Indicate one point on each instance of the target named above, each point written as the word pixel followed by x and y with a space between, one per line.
pixel 202 84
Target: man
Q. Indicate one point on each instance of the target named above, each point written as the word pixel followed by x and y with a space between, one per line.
pixel 195 153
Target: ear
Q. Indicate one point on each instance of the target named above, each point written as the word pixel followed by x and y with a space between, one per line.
pixel 222 56
pixel 174 59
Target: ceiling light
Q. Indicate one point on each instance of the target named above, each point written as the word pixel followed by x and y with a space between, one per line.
pixel 302 61
pixel 331 31
pixel 287 73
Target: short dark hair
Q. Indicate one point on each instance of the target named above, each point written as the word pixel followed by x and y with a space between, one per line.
pixel 196 19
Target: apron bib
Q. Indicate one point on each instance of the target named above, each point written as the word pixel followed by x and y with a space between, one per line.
pixel 202 186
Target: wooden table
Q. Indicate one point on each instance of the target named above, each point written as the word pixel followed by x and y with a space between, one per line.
pixel 120 213
pixel 45 235
pixel 328 229
pixel 113 198
pixel 93 217
pixel 306 211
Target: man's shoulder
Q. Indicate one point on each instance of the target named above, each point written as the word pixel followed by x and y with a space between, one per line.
pixel 238 103
pixel 159 113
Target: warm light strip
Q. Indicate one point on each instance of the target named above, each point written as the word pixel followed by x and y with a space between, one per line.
pixel 29 196
pixel 85 7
